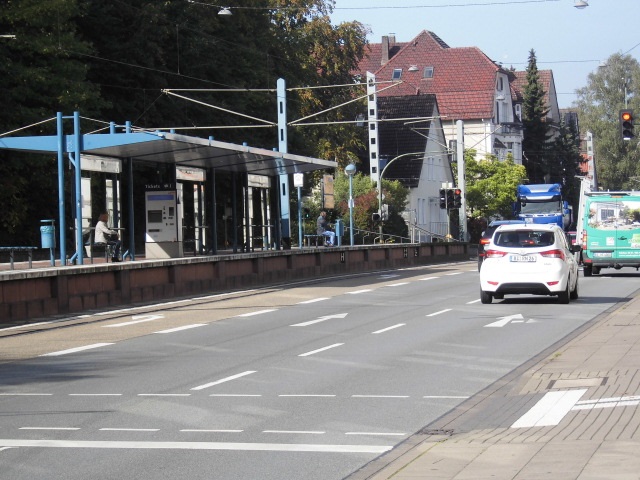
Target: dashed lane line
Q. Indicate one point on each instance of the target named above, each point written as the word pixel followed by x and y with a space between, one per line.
pixel 320 349
pixel 75 350
pixel 223 380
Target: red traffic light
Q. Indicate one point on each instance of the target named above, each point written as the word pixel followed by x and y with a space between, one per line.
pixel 626 116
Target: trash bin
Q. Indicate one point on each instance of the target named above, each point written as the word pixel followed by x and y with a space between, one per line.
pixel 48 234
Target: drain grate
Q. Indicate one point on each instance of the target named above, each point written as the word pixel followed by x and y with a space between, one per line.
pixel 436 431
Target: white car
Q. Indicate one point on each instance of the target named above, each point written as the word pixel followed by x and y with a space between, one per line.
pixel 529 259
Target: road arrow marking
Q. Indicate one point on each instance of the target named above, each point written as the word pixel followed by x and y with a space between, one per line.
pixel 502 321
pixel 320 319
pixel 136 319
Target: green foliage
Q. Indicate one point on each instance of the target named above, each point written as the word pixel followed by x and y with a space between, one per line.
pixel 598 104
pixel 534 111
pixel 115 60
pixel 491 185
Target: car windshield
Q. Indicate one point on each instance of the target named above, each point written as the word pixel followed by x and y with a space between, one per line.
pixel 524 238
pixel 550 206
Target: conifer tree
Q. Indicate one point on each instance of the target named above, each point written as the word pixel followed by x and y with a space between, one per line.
pixel 536 130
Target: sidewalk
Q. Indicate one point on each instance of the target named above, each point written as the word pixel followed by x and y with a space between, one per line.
pixel 574 414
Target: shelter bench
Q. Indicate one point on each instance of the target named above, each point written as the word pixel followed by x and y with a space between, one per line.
pixel 315 238
pixel 12 250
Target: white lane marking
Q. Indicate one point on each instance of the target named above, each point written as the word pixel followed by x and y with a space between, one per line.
pixel 5 448
pixel 223 380
pixel 502 321
pixel 233 395
pixel 380 396
pixel 454 273
pixel 194 430
pixel 49 428
pixel 397 284
pixel 264 447
pixel 356 292
pixel 320 319
pixel 438 313
pixel 259 312
pixel 164 394
pixel 129 429
pixel 630 401
pixel 473 301
pixel 313 300
pixel 550 409
pixel 427 278
pixel 392 434
pixel 446 397
pixel 311 432
pixel 75 350
pixel 320 350
pixel 135 320
pixel 28 325
pixel 389 275
pixel 95 394
pixel 307 395
pixel 389 328
pixel 180 329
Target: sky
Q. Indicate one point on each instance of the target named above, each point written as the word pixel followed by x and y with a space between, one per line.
pixel 569 41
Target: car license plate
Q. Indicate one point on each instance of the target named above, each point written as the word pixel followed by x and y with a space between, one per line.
pixel 522 258
pixel 603 254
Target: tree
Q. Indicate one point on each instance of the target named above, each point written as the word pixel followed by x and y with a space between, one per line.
pixel 491 185
pixel 598 104
pixel 536 130
pixel 566 163
pixel 39 76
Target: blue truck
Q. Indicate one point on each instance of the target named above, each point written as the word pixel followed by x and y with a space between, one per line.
pixel 542 203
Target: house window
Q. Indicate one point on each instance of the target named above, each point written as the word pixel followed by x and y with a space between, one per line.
pixel 519 112
pixel 397 73
pixel 428 72
pixel 497 113
pixel 500 83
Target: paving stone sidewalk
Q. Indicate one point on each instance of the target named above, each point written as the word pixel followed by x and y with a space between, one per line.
pixel 573 415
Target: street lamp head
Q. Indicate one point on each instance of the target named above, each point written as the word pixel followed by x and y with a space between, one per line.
pixel 580 4
pixel 225 11
pixel 350 170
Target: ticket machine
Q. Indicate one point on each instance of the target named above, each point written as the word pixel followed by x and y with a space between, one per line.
pixel 163 235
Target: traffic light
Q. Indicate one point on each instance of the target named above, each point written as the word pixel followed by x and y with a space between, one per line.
pixel 306 212
pixel 443 198
pixel 375 217
pixel 457 198
pixel 626 124
pixel 450 198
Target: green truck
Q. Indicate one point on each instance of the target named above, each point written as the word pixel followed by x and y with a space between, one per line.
pixel 609 231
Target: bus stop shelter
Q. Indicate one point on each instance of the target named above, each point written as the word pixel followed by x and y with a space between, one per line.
pixel 164 147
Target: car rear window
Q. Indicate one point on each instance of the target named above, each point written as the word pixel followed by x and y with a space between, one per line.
pixel 524 238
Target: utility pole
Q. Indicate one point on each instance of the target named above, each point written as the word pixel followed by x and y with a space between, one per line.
pixel 461 182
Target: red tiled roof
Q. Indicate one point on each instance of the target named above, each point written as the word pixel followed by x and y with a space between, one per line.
pixel 463 78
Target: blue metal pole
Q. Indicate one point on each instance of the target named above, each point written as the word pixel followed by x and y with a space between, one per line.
pixel 61 207
pixel 78 171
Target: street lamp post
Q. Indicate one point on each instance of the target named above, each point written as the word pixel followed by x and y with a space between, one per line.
pixel 350 171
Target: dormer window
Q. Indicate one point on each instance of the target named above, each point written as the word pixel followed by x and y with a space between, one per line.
pixel 397 74
pixel 428 72
pixel 500 85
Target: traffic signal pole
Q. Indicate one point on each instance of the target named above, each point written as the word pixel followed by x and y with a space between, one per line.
pixel 461 181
